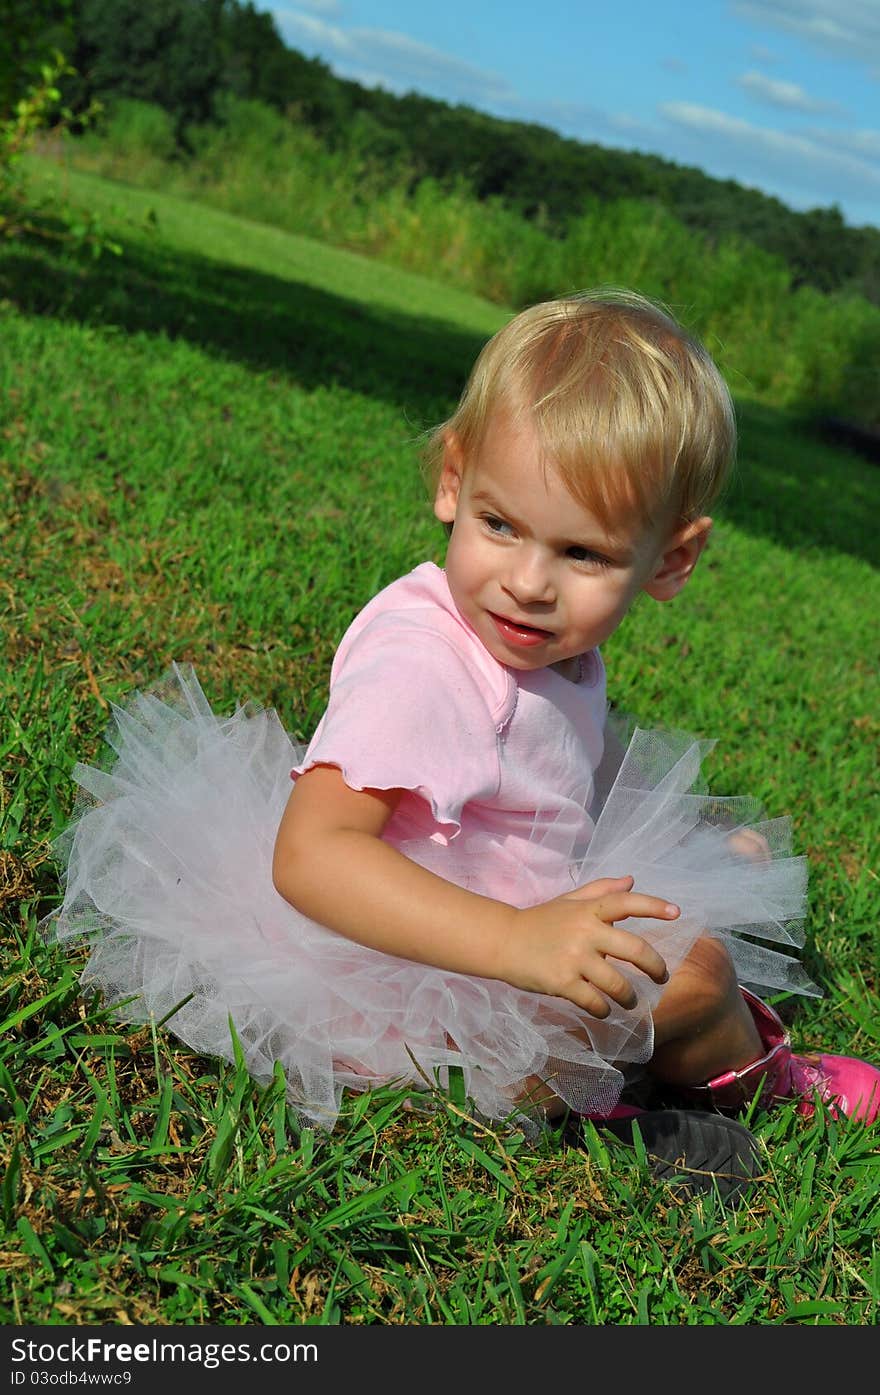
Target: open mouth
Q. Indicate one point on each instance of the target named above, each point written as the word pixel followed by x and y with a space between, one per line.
pixel 515 632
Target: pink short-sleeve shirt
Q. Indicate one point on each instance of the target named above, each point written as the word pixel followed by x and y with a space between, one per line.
pixel 496 765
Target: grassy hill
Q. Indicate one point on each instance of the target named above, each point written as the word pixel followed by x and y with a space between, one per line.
pixel 776 335
pixel 209 452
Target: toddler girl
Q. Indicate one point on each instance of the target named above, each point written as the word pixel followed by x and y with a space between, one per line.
pixel 469 871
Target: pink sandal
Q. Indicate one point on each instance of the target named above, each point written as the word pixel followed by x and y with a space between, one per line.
pixel 844 1084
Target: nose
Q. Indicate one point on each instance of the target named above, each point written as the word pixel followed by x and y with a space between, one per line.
pixel 529 579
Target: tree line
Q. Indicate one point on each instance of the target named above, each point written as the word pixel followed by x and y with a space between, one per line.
pixel 186 55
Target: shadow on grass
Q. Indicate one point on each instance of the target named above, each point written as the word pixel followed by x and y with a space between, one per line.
pixel 309 336
pixel 791 487
pixel 799 491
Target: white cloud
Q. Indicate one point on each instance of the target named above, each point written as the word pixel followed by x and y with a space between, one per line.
pixel 315 31
pixel 862 144
pixel 783 94
pixel 394 60
pixel 850 28
pixel 820 164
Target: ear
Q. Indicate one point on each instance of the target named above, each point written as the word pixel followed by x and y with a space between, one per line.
pixel 680 555
pixel 449 483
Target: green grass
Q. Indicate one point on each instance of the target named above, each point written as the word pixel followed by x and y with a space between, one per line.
pixel 208 452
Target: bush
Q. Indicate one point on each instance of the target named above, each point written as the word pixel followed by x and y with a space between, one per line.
pixel 27 117
pixel 31 115
pixel 139 129
pixel 832 354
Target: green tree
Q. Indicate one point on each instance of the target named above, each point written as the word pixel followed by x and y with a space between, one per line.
pixel 32 67
pixel 163 51
pixel 30 32
pixel 258 65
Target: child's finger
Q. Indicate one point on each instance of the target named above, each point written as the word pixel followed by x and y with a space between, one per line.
pixel 613 984
pixel 622 904
pixel 602 887
pixel 632 949
pixel 585 995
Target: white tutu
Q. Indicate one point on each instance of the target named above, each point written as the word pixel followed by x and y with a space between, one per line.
pixel 168 874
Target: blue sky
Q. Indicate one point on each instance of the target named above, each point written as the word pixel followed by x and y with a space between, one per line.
pixel 781 95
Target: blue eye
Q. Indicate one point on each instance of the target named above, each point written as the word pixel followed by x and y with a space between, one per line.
pixel 497 525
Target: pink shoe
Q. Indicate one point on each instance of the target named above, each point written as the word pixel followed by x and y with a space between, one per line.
pixel 846 1085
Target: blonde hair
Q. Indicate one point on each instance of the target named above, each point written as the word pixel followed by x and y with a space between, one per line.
pixel 628 407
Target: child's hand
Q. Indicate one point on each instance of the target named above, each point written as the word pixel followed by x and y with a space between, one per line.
pixel 562 947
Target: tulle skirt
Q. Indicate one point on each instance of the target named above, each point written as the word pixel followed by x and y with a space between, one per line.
pixel 167 872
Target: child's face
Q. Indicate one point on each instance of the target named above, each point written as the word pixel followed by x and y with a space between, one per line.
pixel 531 570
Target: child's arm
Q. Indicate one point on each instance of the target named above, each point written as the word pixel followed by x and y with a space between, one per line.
pixel 332 864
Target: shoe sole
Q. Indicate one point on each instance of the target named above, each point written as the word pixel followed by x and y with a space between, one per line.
pixel 695 1151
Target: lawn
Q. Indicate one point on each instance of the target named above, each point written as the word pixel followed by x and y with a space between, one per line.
pixel 209 453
